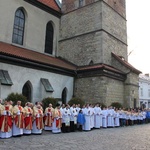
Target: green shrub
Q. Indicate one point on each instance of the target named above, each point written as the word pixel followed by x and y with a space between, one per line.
pixel 48 100
pixel 76 100
pixel 17 97
pixel 102 105
pixel 116 105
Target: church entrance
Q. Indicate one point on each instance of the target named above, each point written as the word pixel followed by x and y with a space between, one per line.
pixel 64 96
pixel 26 91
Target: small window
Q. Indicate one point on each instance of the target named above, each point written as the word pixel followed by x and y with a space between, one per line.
pixel 18 30
pixel 80 3
pixel 91 63
pixel 5 78
pixel 49 38
pixel 148 92
pixel 47 85
pixel 141 90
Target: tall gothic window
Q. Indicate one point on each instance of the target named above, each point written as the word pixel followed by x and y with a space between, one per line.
pixel 49 38
pixel 80 3
pixel 19 25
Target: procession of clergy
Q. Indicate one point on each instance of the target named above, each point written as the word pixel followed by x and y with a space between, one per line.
pixel 18 121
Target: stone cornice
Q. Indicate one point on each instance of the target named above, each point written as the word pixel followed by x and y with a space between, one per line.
pixel 83 34
pixel 101 72
pixel 35 65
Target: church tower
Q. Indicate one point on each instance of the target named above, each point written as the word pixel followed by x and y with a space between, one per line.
pixel 92 29
pixel 93 36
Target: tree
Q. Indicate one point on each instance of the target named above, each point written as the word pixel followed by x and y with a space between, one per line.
pixel 116 105
pixel 49 100
pixel 17 97
pixel 76 100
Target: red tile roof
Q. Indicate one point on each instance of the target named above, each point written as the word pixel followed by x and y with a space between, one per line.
pixel 34 56
pixel 51 4
pixel 99 66
pixel 125 63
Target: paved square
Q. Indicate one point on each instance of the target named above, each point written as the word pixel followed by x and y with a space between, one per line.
pixel 124 138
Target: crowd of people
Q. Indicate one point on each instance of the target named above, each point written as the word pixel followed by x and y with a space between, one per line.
pixel 32 119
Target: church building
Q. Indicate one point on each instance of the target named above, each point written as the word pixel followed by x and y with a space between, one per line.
pixel 74 49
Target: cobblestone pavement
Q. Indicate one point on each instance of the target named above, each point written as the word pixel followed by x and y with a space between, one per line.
pixel 123 138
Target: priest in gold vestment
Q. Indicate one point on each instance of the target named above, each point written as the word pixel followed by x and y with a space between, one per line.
pixel 18 122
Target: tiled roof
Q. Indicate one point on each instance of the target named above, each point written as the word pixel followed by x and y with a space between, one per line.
pixel 125 63
pixel 14 51
pixel 50 3
pixel 41 58
pixel 99 66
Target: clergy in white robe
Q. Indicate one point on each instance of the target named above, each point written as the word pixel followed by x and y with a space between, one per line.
pixel 97 121
pixel 87 114
pixel 140 117
pixel 104 118
pixel 144 116
pixel 92 116
pixel 66 119
pixel 112 116
pixel 62 108
pixel 73 118
pixel 116 118
pixel 78 108
pixel 101 116
pixel 109 117
pixel 124 115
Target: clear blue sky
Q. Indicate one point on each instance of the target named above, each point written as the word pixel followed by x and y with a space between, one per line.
pixel 138 30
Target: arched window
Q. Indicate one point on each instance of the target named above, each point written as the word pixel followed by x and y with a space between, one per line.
pixel 64 96
pixel 27 90
pixel 49 38
pixel 80 3
pixel 19 24
pixel 91 62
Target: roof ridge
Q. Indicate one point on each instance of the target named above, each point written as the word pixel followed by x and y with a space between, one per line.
pixel 49 3
pixel 23 53
pixel 125 63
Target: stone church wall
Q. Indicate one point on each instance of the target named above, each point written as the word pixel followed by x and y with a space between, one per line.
pixel 81 50
pixel 100 89
pixel 83 20
pixel 91 33
pixel 109 45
